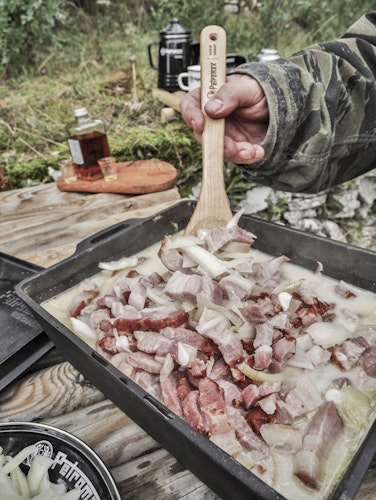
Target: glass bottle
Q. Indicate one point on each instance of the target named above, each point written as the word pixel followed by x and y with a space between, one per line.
pixel 87 141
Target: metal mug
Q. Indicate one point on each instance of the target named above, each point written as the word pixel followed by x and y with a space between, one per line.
pixel 192 76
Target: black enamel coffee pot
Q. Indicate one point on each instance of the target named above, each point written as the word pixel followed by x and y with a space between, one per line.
pixel 176 53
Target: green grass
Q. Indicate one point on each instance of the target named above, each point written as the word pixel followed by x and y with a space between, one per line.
pixel 89 66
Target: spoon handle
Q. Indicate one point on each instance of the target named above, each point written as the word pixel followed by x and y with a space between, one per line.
pixel 213 207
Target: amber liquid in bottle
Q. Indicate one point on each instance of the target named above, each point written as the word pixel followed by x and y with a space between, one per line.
pixel 93 145
pixel 87 140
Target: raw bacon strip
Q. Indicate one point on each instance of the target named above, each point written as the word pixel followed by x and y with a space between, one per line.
pixel 322 432
pixel 244 433
pixel 152 342
pixel 192 414
pixel 143 361
pixel 152 322
pixel 170 395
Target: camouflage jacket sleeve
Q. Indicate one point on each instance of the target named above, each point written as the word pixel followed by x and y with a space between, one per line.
pixel 322 103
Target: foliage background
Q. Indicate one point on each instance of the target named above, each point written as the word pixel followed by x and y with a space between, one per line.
pixel 57 55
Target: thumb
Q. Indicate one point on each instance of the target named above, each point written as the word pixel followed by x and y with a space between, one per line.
pixel 239 91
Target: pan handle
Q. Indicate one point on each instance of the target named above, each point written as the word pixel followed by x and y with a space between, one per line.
pixel 105 233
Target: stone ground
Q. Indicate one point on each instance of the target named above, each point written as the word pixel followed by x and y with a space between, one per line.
pixel 346 213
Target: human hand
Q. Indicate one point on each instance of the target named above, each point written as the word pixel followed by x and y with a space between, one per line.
pixel 241 101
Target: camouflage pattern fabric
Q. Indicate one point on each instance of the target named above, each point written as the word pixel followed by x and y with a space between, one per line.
pixel 322 103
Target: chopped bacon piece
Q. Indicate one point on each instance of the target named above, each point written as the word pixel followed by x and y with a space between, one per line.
pixel 368 362
pixel 145 362
pixel 152 342
pixel 211 395
pixel 182 286
pixel 170 395
pixel 183 388
pixel 192 414
pixel 256 417
pixel 284 348
pixel 170 257
pixel 81 301
pixel 323 430
pixel 269 273
pixel 250 395
pixel 218 237
pixel 108 344
pixel 264 335
pixel 348 353
pixel 263 357
pixel 344 292
pixel 247 437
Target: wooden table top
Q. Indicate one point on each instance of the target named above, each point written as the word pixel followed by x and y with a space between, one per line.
pixel 43 225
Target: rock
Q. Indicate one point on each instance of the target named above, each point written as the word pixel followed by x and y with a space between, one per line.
pixel 256 200
pixel 367 190
pixel 333 230
pixel 349 202
pixel 294 217
pixel 307 201
pixel 310 224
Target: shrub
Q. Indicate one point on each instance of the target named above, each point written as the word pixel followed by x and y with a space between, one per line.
pixel 26 29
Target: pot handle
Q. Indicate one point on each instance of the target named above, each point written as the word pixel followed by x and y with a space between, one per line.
pixel 105 233
pixel 150 55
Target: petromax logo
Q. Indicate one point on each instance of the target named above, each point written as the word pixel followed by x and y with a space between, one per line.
pixel 213 79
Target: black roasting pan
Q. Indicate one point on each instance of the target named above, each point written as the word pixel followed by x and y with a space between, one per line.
pixel 22 339
pixel 213 466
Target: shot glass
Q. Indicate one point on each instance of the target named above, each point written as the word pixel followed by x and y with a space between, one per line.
pixel 108 168
pixel 68 170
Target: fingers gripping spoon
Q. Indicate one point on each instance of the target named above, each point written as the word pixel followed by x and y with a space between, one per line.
pixel 213 206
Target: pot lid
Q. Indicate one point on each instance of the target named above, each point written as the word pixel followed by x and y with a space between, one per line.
pixel 174 28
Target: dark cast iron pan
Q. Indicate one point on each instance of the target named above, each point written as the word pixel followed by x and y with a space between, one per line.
pixel 218 470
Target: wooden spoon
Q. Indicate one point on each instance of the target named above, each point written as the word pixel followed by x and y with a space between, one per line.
pixel 213 206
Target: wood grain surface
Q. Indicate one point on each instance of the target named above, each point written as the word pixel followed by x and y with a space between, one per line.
pixel 133 177
pixel 43 225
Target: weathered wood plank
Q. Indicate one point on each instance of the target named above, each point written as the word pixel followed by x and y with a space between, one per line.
pixel 109 431
pixel 47 393
pixel 45 219
pixel 159 476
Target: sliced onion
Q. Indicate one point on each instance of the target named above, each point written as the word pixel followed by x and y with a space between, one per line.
pixel 158 299
pixel 14 462
pixel 289 287
pixel 327 334
pixel 206 260
pixel 186 354
pixel 183 241
pixel 116 265
pixel 233 222
pixel 260 376
pixel 82 329
pixel 285 300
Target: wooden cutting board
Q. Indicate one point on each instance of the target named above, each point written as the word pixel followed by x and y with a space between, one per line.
pixel 134 177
